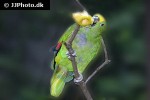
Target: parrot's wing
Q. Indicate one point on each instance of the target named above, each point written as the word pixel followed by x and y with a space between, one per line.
pixel 58 80
pixel 53 63
pixel 62 39
pixel 67 34
pixel 61 75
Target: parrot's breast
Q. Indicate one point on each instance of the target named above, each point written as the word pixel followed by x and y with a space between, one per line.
pixel 81 40
pixel 86 46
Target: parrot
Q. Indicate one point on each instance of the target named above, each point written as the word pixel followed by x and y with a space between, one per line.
pixel 86 45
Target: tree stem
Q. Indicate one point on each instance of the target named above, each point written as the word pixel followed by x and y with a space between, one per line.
pixel 74 64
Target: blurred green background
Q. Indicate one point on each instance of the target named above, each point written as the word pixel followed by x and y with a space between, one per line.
pixel 27 36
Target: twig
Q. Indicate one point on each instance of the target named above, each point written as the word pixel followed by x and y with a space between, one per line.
pixel 71 51
pixel 81 5
pixel 103 64
pixel 81 83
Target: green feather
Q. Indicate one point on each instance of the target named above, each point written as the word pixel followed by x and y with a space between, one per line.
pixel 87 47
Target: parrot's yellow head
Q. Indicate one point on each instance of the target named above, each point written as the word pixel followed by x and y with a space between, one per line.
pixel 99 23
pixel 85 19
pixel 98 18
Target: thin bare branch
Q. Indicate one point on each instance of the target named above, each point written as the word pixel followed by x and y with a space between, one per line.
pixel 81 5
pixel 97 70
pixel 102 65
pixel 71 51
pixel 104 48
pixel 74 34
pixel 74 64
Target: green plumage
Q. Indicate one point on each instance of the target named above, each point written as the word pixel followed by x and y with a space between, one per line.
pixel 87 46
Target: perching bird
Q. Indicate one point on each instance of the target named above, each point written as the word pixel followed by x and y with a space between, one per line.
pixel 87 47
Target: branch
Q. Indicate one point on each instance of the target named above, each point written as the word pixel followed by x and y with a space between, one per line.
pixel 78 76
pixel 71 51
pixel 103 64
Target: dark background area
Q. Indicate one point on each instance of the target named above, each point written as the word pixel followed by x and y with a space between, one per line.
pixel 27 36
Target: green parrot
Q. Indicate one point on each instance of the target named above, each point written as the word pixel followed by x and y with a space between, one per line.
pixel 87 47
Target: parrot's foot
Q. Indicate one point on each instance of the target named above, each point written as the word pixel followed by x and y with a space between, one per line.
pixel 68 54
pixel 79 79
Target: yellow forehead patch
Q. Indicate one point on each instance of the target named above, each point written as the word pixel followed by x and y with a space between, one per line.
pixel 82 18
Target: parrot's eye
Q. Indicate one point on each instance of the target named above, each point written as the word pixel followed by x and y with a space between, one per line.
pixel 96 19
pixel 101 24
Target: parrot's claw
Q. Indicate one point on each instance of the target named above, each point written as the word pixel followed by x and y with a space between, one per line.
pixel 79 79
pixel 69 55
pixel 74 54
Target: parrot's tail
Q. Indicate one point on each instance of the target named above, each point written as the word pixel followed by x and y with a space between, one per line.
pixel 58 82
